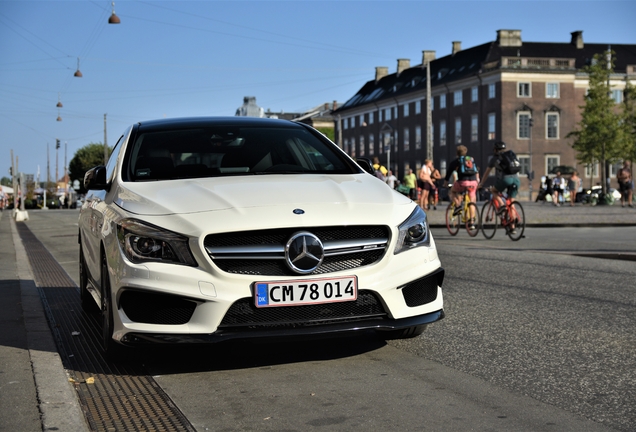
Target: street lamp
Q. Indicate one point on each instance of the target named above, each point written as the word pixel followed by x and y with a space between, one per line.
pixel 531 171
pixel 114 19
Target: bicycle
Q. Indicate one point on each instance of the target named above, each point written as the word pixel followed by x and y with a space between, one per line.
pixel 456 216
pixel 511 217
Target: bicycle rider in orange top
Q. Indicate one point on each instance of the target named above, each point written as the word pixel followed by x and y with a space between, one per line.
pixel 508 183
pixel 467 180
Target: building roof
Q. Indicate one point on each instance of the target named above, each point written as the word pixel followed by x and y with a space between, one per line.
pixel 503 53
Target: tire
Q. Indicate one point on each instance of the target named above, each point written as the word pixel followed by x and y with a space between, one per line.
pixel 407 333
pixel 452 221
pixel 520 221
pixel 112 350
pixel 488 220
pixel 88 304
pixel 475 230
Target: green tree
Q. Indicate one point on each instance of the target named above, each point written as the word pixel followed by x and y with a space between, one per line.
pixel 5 181
pixel 629 119
pixel 600 135
pixel 84 159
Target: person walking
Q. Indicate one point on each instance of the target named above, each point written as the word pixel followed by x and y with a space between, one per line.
pixel 557 187
pixel 573 186
pixel 391 180
pixel 426 183
pixel 625 184
pixel 410 181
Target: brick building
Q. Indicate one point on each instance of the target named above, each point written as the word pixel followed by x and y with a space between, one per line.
pixel 527 94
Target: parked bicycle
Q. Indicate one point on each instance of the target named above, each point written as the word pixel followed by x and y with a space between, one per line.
pixel 467 215
pixel 510 214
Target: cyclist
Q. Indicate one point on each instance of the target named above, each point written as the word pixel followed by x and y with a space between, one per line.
pixel 467 180
pixel 508 183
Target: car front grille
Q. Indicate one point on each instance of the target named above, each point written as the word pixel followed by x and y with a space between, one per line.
pixel 263 252
pixel 150 308
pixel 424 290
pixel 244 314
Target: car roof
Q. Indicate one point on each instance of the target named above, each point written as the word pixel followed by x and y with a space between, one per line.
pixel 194 122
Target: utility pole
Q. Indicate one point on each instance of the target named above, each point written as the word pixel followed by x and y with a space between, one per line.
pixel 429 115
pixel 57 152
pixel 531 171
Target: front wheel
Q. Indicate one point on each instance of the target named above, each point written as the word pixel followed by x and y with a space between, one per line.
pixel 516 221
pixel 488 220
pixel 452 220
pixel 472 223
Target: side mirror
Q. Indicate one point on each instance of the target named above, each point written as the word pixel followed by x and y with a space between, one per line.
pixel 366 165
pixel 95 178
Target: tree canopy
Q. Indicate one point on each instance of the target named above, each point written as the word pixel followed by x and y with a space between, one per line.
pixel 601 135
pixel 85 158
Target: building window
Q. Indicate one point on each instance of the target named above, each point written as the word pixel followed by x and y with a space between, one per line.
pixel 386 142
pixel 405 140
pixel 362 149
pixel 353 147
pixel 418 137
pixel 379 115
pixel 387 114
pixel 457 97
pixel 523 125
pixel 346 146
pixel 552 90
pixel 551 162
pixel 474 132
pixel 442 101
pixel 442 168
pixel 591 170
pixel 491 91
pixel 524 89
pixel 474 94
pixel 613 169
pixel 458 130
pixel 418 107
pixel 442 133
pixel 524 160
pixel 406 110
pixel 345 123
pixel 491 126
pixel 617 96
pixel 371 117
pixel 361 119
pixel 353 122
pixel 552 125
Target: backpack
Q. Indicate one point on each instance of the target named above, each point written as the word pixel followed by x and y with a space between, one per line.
pixel 467 166
pixel 509 163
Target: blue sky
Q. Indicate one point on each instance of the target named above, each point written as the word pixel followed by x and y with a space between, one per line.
pixel 194 58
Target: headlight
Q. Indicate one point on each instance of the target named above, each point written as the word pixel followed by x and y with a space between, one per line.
pixel 143 243
pixel 413 232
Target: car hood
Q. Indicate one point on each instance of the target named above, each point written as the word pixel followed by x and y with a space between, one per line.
pixel 252 192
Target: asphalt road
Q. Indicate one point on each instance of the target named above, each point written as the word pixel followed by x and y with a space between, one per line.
pixel 535 338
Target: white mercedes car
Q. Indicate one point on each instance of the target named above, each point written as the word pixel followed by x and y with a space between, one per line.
pixel 210 229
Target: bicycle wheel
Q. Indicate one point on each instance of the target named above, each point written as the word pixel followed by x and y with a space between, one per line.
pixel 488 220
pixel 452 220
pixel 516 217
pixel 472 226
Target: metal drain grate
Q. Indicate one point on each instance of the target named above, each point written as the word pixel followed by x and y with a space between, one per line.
pixel 123 397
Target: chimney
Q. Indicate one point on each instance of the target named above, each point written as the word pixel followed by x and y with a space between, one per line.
pixel 427 56
pixel 509 38
pixel 335 105
pixel 381 72
pixel 402 65
pixel 457 47
pixel 577 39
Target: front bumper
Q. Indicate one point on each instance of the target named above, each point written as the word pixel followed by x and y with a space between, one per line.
pixel 336 329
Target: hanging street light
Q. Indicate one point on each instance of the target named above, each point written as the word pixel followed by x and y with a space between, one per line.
pixel 114 19
pixel 59 102
pixel 77 72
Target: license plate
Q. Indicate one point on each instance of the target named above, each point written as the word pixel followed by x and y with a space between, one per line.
pixel 303 292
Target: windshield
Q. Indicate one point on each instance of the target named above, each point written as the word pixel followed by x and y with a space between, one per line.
pixel 225 151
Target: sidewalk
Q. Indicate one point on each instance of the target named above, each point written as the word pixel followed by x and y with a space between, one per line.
pixel 543 214
pixel 35 392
